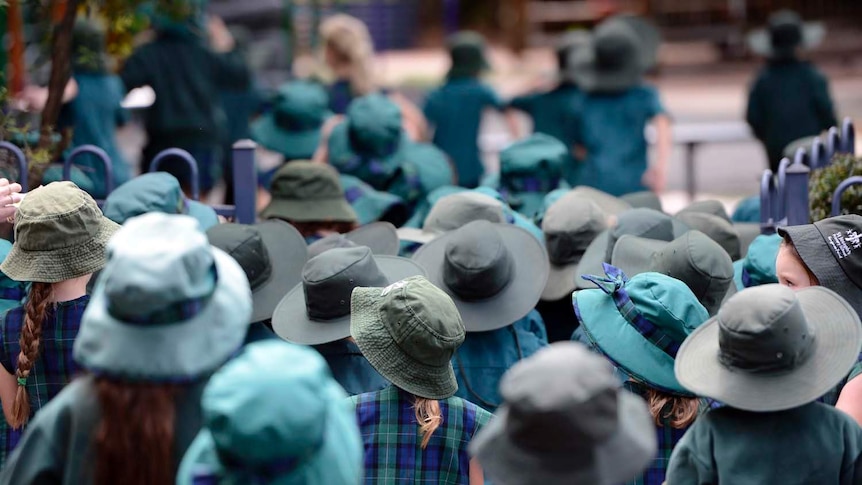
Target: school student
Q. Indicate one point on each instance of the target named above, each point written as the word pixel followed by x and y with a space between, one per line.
pixel 317 311
pixel 414 431
pixel 789 99
pixel 495 274
pixel 60 240
pixel 455 109
pixel 155 192
pixel 768 355
pixel 565 421
pixel 639 325
pixel 274 415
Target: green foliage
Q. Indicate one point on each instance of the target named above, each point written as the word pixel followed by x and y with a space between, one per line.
pixel 19 131
pixel 824 181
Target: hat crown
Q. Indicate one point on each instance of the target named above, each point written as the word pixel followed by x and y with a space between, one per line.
pixel 640 222
pixel 842 235
pixel 700 263
pixel 304 180
pixel 536 153
pixel 244 244
pixel 56 216
pixel 329 279
pixel 456 210
pixel 326 243
pixel 150 192
pixel 759 262
pixel 717 228
pixel 301 105
pixel 477 264
pixel 422 320
pixel 374 126
pixel 667 303
pixel 467 50
pixel 785 28
pixel 616 45
pixel 764 330
pixel 570 225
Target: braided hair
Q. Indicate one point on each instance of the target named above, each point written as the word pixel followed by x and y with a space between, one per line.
pixel 30 342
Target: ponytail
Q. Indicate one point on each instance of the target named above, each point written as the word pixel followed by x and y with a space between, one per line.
pixel 30 341
pixel 428 416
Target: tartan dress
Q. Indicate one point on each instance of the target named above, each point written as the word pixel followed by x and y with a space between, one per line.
pixel 53 369
pixel 393 452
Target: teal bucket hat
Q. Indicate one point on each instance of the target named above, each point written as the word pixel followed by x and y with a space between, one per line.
pixel 373 205
pixel 758 266
pixel 167 307
pixel 467 52
pixel 292 127
pixel 432 165
pixel 529 169
pixel 368 143
pixel 275 415
pixel 155 192
pixel 640 324
pixel 12 292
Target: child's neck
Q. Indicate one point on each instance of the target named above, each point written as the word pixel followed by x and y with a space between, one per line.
pixel 70 289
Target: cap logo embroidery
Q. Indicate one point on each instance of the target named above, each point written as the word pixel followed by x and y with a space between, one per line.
pixel 843 244
pixel 394 286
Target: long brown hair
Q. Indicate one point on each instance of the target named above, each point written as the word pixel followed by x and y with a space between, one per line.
pixel 135 438
pixel 428 416
pixel 30 341
pixel 677 411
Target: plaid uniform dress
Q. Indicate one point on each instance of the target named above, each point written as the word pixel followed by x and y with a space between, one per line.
pixel 393 452
pixel 54 367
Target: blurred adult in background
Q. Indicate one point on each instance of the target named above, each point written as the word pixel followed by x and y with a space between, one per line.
pixel 789 98
pixel 187 70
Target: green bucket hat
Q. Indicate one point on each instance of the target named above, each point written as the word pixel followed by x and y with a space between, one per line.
pixel 565 420
pixel 250 435
pixel 372 205
pixel 409 332
pixel 12 292
pixel 771 349
pixel 167 307
pixel 758 267
pixel 271 254
pixel 292 127
pixel 380 237
pixel 640 324
pixel 305 191
pixel 718 228
pixel 645 223
pixel 785 32
pixel 155 192
pixel 368 143
pixel 529 169
pixel 317 310
pixel 60 234
pixel 467 52
pixel 692 258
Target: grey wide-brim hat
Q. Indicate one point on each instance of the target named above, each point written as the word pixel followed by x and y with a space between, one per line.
pixel 837 336
pixel 610 204
pixel 529 274
pixel 292 323
pixel 760 41
pixel 380 237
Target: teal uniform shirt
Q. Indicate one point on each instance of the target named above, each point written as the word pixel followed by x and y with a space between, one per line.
pixel 455 110
pixel 611 128
pixel 484 357
pixel 814 443
pixel 788 100
pixel 552 114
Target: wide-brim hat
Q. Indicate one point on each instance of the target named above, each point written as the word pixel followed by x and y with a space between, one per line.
pixel 561 282
pixel 837 336
pixel 622 457
pixel 292 323
pixel 529 274
pixel 810 34
pixel 373 205
pixel 610 204
pixel 294 144
pixel 380 237
pixel 347 160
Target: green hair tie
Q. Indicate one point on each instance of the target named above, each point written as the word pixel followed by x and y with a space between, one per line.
pixel 22 381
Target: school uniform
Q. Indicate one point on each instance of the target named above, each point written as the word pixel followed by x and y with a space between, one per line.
pixel 340 96
pixel 350 368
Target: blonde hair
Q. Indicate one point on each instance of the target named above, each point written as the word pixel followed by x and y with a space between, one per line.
pixel 30 341
pixel 348 39
pixel 428 416
pixel 678 411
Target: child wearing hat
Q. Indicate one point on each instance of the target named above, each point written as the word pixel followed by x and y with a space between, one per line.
pixel 617 106
pixel 60 240
pixel 565 421
pixel 167 311
pixel 789 99
pixel 415 431
pixel 768 355
pixel 639 325
pixel 495 274
pixel 455 109
pixel 274 415
pixel 317 311
pixel 155 192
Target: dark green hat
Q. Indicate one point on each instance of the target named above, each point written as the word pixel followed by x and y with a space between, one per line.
pixel 305 191
pixel 467 51
pixel 529 169
pixel 292 127
pixel 758 267
pixel 785 32
pixel 155 192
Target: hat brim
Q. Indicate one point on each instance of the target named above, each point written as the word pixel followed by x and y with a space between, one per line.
pixel 634 254
pixel 747 232
pixel 643 199
pixel 416 235
pixel 291 322
pixel 335 210
pixel 60 264
pixel 380 237
pixel 561 282
pixel 837 344
pixel 529 275
pixel 173 352
pixel 609 204
pixel 619 459
pixel 384 354
pixel 293 145
pixel 621 342
pixel 591 262
pixel 760 41
pixel 204 214
pixel 287 255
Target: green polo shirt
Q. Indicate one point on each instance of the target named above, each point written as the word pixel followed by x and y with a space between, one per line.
pixel 811 444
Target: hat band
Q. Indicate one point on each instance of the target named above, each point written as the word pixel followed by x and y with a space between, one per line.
pixel 353 194
pixel 614 285
pixel 734 353
pixel 175 312
pixel 746 278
